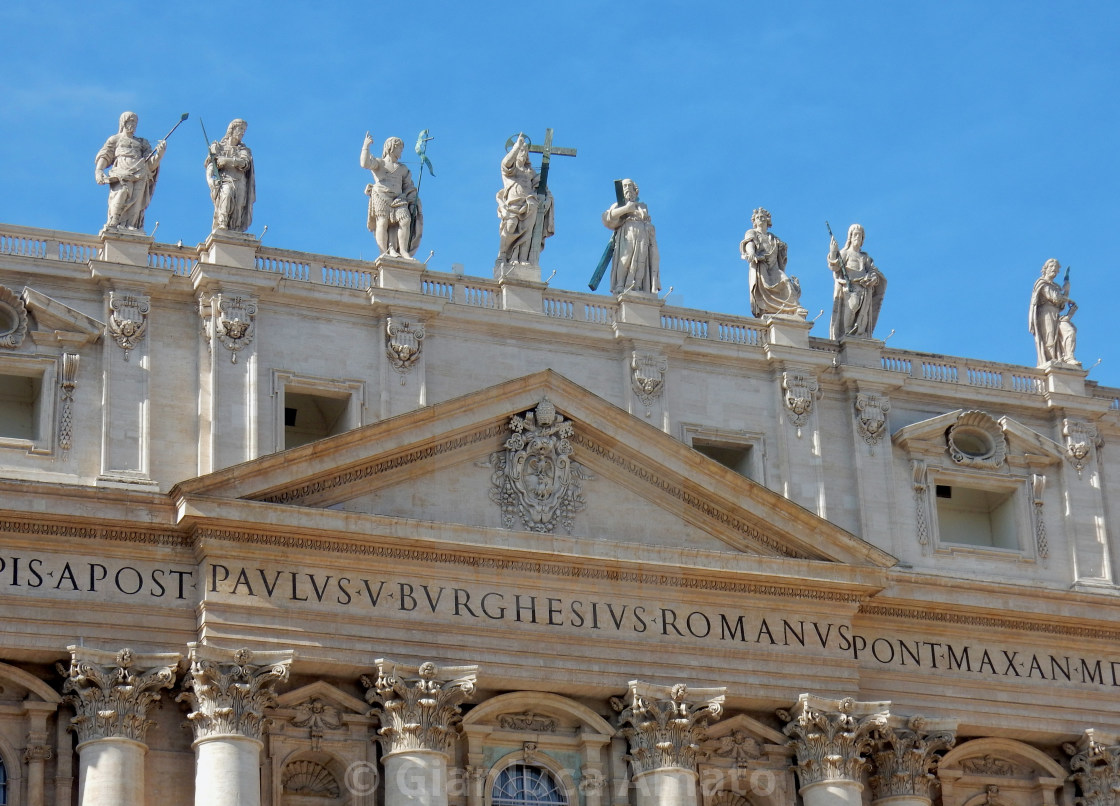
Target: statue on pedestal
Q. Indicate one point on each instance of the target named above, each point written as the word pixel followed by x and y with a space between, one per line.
pixel 637 263
pixel 130 167
pixel 395 216
pixel 518 204
pixel 1055 336
pixel 859 288
pixel 229 173
pixel 773 292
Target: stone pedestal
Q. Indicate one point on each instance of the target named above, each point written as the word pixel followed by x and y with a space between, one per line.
pixel 229 691
pixel 517 272
pixel 125 247
pixel 111 692
pixel 399 274
pixel 664 726
pixel 787 332
pixel 522 295
pixel 420 709
pixel 861 352
pixel 226 248
pixel 640 308
pixel 832 739
pixel 1065 379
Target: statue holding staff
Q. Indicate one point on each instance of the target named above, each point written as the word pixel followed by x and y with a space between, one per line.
pixel 130 167
pixel 1055 336
pixel 858 289
pixel 637 263
pixel 395 216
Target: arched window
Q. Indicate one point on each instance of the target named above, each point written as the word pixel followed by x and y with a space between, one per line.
pixel 3 784
pixel 523 785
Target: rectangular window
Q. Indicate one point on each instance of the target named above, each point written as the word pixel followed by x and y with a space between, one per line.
pixel 741 451
pixel 19 406
pixel 309 409
pixel 976 517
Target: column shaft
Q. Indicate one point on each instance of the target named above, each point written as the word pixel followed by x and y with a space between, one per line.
pixel 227 771
pixel 415 778
pixel 111 773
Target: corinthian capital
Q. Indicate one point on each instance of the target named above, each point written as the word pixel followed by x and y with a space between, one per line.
pixel 229 689
pixel 664 725
pixel 419 705
pixel 1095 766
pixel 906 751
pixel 112 691
pixel 832 737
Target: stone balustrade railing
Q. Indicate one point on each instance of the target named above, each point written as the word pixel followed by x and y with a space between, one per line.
pixel 595 309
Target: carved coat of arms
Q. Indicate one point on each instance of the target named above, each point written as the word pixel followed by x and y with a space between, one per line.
pixel 534 478
pixel 403 344
pixel 128 319
pixel 236 322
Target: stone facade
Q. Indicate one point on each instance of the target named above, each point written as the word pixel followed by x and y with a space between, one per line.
pixel 618 552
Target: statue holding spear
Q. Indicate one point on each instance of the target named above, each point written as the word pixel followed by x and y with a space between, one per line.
pixel 130 167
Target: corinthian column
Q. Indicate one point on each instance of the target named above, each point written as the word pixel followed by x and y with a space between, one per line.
pixel 228 691
pixel 905 753
pixel 420 718
pixel 831 739
pixel 664 726
pixel 1096 768
pixel 111 693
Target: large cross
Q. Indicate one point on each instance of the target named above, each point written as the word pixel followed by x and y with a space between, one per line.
pixel 546 150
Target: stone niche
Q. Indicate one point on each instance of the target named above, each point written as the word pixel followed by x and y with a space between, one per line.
pixel 1000 772
pixel 746 763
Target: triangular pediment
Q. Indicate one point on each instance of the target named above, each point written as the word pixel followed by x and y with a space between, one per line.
pixel 60 321
pixel 447 465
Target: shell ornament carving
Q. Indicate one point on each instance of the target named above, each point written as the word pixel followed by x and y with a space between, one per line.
pixel 310 778
pixel 976 440
pixel 13 319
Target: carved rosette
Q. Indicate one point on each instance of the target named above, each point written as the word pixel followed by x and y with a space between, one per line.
pixel 799 391
pixel 871 417
pixel 534 478
pixel 647 377
pixel 419 706
pixel 1081 439
pixel 229 690
pixel 403 344
pixel 13 319
pixel 1095 769
pixel 235 322
pixel 128 319
pixel 665 725
pixel 68 381
pixel 113 691
pixel 832 737
pixel 906 752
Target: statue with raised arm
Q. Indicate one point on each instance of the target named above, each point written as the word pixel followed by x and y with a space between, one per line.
pixel 395 216
pixel 229 173
pixel 517 206
pixel 1055 336
pixel 130 167
pixel 858 290
pixel 637 264
pixel 772 291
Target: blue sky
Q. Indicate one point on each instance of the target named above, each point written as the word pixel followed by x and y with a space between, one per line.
pixel 972 140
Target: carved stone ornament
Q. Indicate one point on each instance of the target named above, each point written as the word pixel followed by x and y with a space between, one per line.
pixel 799 391
pixel 113 691
pixel 13 319
pixel 871 417
pixel 310 779
pixel 318 717
pixel 128 319
pixel 665 725
pixel 976 440
pixel 68 381
pixel 906 752
pixel 235 322
pixel 1096 771
pixel 648 377
pixel 404 344
pixel 739 746
pixel 229 690
pixel 528 721
pixel 38 752
pixel 832 737
pixel 1038 487
pixel 529 751
pixel 1081 439
pixel 988 765
pixel 534 478
pixel 419 706
pixel 920 483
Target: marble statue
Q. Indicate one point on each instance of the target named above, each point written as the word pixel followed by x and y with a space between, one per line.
pixel 130 167
pixel 229 173
pixel 772 291
pixel 395 216
pixel 1055 336
pixel 858 292
pixel 636 265
pixel 518 203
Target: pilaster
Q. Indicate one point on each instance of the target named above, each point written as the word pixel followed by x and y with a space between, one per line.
pixel 229 692
pixel 905 754
pixel 112 693
pixel 420 718
pixel 832 739
pixel 228 400
pixel 664 726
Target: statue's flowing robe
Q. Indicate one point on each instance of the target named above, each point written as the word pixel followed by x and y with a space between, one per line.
pixel 132 177
pixel 772 291
pixel 1047 301
pixel 241 185
pixel 637 263
pixel 518 203
pixel 855 308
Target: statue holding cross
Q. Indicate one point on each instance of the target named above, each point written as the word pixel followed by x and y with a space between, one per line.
pixel 525 207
